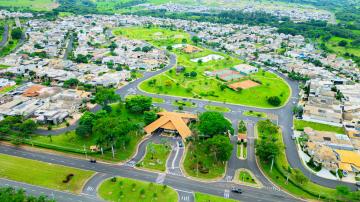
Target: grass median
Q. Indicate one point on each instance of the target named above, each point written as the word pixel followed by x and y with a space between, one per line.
pixel 200 197
pixel 129 190
pixel 43 174
pixel 155 157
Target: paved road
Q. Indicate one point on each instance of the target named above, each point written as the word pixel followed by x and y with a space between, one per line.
pixel 177 182
pixel 285 121
pixel 69 46
pixel 5 36
pixel 52 194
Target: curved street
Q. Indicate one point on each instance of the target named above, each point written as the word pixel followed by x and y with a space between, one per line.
pixel 178 181
pixel 5 36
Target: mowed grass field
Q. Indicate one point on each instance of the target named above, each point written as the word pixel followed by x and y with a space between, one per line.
pixel 129 190
pixel 37 5
pixel 42 174
pixel 155 157
pixel 332 44
pixel 201 86
pixel 200 197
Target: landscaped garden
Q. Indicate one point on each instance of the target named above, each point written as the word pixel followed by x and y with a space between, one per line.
pixel 245 176
pixel 291 179
pixel 216 108
pixel 301 124
pixel 129 190
pixel 192 81
pixel 155 157
pixel 255 114
pixel 43 174
pixel 210 147
pixel 200 197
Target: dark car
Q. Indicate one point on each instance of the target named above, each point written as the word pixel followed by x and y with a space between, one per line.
pixel 236 190
pixel 180 144
pixel 357 184
pixel 92 160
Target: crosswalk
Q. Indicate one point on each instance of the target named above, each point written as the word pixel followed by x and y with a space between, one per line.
pixel 130 163
pixel 90 189
pixel 185 198
pixel 175 172
pixel 160 178
pixel 228 178
pixel 272 188
pixel 226 193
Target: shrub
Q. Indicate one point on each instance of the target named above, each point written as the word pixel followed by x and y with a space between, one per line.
pixel 68 178
pixel 113 179
pixel 274 101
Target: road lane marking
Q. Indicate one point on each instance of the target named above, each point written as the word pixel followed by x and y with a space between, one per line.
pixel 226 193
pixel 160 178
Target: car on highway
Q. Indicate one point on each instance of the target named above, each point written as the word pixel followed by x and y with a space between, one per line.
pixel 236 190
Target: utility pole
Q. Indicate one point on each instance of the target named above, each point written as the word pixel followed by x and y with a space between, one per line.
pixel 272 163
pixel 85 152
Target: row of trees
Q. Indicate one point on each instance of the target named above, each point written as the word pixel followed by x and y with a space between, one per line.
pixel 8 194
pixel 17 127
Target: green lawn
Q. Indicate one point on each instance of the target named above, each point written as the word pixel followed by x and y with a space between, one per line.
pixel 245 176
pixel 37 5
pixel 7 89
pixel 301 124
pixel 238 150
pixel 154 99
pixel 184 103
pixel 3 66
pixel 201 86
pixel 332 44
pixel 244 155
pixel 155 157
pixel 255 114
pixel 42 174
pixel 157 100
pixel 129 190
pixel 217 108
pixel 200 197
pixel 199 164
pixel 8 48
pixel 70 142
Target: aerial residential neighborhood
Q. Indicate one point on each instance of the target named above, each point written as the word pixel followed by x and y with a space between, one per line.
pixel 200 101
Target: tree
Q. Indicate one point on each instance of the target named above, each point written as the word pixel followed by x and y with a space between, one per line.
pixel 70 83
pixel 219 147
pixel 193 74
pixel 111 128
pixel 242 127
pixel 11 194
pixel 105 96
pixel 28 127
pixel 149 117
pixel 274 101
pixel 195 39
pixel 16 33
pixel 85 125
pixel 169 48
pixel 213 123
pixel 138 103
pixel 343 43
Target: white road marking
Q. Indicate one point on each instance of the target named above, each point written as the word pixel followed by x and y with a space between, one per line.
pixel 175 157
pixel 226 193
pixel 161 178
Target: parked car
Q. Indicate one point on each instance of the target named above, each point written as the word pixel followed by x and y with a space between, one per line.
pixel 92 160
pixel 236 190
